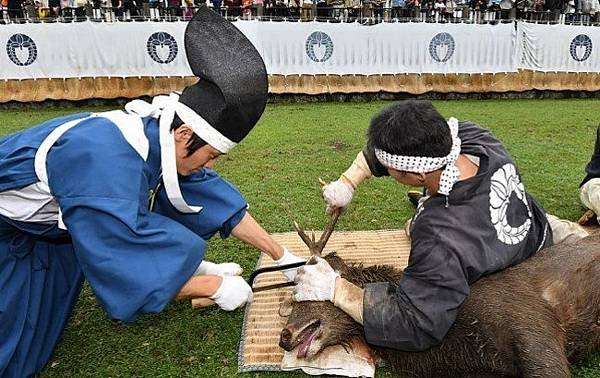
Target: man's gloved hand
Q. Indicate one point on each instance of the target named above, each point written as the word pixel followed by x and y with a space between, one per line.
pixel 315 281
pixel 288 258
pixel 337 194
pixel 234 292
pixel 222 269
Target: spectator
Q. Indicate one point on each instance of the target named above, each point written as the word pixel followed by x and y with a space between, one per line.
pixel 588 9
pixel 378 9
pixel 398 8
pixel 153 9
pixel 555 7
pixel 594 11
pixel 130 9
pixel 30 7
pixel 323 8
pixel 233 7
pixel 114 9
pixel 414 6
pixel 67 7
pixel 477 7
pixel 189 10
pixel 439 7
pixel 537 6
pixel 506 9
pixel 353 9
pixel 294 8
pixel 174 10
pixel 451 10
pixel 258 5
pixel 54 6
pixel 143 9
pixel 96 9
pixel 217 6
pixel 15 10
pixel 79 8
pixel 493 6
pixel 247 9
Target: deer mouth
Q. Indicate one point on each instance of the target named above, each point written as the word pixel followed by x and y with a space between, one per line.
pixel 307 336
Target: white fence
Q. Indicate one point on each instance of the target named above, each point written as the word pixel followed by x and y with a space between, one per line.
pixel 89 49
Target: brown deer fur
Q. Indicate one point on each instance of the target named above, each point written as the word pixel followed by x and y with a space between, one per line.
pixel 530 320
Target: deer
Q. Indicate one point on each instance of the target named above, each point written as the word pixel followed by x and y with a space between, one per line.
pixel 530 320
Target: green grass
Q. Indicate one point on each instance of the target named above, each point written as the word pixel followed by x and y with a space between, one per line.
pixel 277 168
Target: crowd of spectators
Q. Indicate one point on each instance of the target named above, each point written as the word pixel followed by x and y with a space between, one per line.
pixel 578 11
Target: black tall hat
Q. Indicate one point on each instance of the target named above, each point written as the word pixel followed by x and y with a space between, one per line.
pixel 232 91
pixel 222 107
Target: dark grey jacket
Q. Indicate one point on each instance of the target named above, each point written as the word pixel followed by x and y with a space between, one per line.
pixel 592 169
pixel 486 224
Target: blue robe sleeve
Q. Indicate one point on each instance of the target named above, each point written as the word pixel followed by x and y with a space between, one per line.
pixel 416 313
pixel 135 260
pixel 223 207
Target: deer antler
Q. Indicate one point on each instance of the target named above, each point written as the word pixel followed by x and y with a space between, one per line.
pixel 316 247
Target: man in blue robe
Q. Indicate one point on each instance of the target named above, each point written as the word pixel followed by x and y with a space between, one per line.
pixel 127 200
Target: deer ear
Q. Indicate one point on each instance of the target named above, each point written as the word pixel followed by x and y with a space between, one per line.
pixel 285 308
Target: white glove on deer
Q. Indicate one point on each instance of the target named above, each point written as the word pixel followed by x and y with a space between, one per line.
pixel 315 281
pixel 223 269
pixel 338 194
pixel 288 258
pixel 234 292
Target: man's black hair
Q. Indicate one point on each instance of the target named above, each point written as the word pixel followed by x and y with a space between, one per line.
pixel 410 128
pixel 195 142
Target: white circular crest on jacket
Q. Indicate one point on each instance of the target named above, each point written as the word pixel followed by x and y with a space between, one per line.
pixel 504 183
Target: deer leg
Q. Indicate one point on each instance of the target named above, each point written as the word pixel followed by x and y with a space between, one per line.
pixel 542 354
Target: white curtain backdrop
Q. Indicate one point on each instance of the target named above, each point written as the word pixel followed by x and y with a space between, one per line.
pixel 560 48
pixel 89 49
pixel 386 48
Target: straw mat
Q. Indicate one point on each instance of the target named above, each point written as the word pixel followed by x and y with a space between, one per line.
pixel 259 349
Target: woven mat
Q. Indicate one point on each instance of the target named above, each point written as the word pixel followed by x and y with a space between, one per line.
pixel 259 349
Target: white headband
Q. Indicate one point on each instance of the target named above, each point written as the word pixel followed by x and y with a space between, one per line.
pixel 424 164
pixel 166 107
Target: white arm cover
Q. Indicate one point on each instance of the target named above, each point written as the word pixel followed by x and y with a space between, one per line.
pixel 223 269
pixel 357 172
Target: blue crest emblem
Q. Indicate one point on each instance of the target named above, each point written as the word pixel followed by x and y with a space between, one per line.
pixel 21 49
pixel 581 47
pixel 441 47
pixel 162 47
pixel 319 46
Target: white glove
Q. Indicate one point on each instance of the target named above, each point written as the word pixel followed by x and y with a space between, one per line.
pixel 223 269
pixel 315 282
pixel 337 194
pixel 234 292
pixel 288 258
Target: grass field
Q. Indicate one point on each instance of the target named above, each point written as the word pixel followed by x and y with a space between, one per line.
pixel 277 168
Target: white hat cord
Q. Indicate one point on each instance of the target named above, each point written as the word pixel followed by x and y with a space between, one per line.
pixel 166 107
pixel 425 164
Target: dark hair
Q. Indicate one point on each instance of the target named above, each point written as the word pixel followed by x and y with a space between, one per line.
pixel 195 142
pixel 410 128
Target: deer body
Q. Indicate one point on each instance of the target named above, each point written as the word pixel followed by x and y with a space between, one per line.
pixel 530 320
